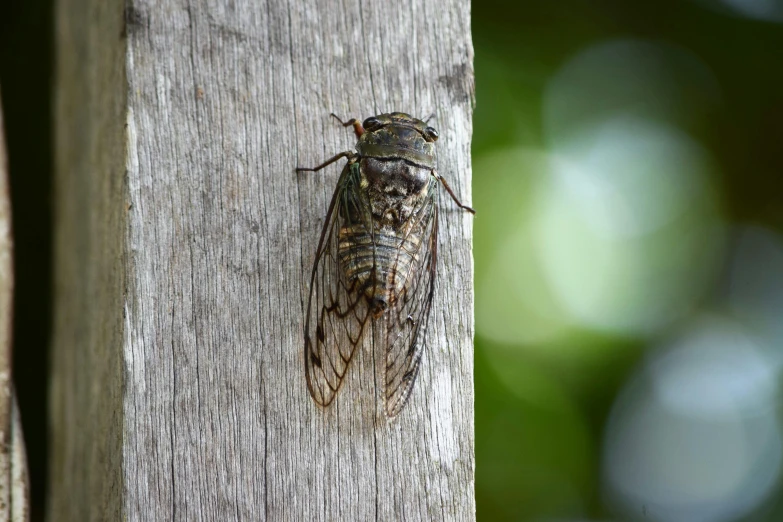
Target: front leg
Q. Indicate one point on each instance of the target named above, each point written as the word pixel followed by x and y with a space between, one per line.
pixel 451 192
pixel 347 154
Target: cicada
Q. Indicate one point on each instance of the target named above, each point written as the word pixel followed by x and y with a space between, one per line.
pixel 376 259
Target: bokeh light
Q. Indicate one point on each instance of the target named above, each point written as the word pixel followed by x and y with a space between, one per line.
pixel 626 227
pixel 616 225
pixel 695 436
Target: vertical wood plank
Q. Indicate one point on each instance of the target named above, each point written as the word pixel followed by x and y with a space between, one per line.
pixel 208 241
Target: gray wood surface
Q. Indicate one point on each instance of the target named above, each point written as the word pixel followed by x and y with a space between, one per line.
pixel 184 245
pixel 14 497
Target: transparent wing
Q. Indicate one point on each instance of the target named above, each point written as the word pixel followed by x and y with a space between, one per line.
pixel 406 321
pixel 336 312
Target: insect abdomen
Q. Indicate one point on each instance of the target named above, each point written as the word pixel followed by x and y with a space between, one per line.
pixel 379 266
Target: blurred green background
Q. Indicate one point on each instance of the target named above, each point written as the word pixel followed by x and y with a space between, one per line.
pixel 629 259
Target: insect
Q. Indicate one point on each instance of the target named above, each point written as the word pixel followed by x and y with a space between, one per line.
pixel 376 257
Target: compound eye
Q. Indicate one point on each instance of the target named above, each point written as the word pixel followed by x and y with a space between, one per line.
pixel 371 123
pixel 430 134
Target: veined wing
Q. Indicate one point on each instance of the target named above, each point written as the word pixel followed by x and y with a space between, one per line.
pixel 405 323
pixel 337 313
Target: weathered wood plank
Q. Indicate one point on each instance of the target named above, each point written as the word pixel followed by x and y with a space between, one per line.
pixel 19 507
pixel 198 342
pixel 14 491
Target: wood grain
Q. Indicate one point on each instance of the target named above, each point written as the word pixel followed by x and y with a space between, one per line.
pixel 184 250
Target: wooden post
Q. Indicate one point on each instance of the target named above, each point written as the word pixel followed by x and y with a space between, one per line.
pixel 14 498
pixel 184 246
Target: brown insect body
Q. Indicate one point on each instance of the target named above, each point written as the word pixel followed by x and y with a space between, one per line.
pixel 376 257
pixel 395 174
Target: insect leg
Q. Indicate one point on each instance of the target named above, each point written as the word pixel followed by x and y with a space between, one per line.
pixel 357 126
pixel 346 154
pixel 451 192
